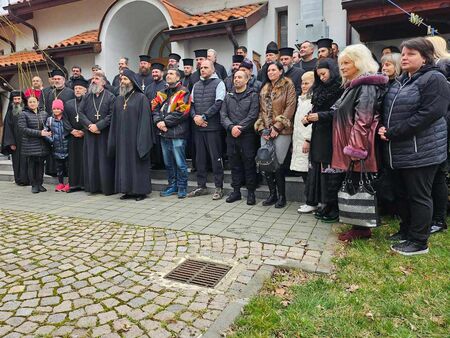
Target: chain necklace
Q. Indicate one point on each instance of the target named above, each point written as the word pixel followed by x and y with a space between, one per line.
pixel 77 117
pixel 97 111
pixel 126 100
pixel 55 90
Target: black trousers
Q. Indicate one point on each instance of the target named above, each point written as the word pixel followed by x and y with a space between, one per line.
pixel 413 188
pixel 208 144
pixel 241 154
pixel 61 169
pixel 440 193
pixel 36 170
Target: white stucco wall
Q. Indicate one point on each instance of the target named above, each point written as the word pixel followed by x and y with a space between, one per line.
pixel 336 19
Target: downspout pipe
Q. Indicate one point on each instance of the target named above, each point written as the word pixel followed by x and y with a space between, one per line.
pixel 13 46
pixel 25 23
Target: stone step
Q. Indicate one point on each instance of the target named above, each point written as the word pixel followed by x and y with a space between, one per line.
pixel 294 185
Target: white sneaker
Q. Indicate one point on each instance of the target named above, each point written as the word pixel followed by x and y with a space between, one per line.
pixel 305 209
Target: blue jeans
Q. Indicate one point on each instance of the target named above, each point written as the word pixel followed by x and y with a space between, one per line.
pixel 175 161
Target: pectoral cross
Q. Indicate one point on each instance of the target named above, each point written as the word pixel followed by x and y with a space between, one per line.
pixel 97 116
pixel 143 86
pixel 125 105
pixel 77 118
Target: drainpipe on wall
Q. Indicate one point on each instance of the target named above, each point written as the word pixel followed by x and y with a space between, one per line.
pixel 312 25
pixel 13 46
pixel 25 23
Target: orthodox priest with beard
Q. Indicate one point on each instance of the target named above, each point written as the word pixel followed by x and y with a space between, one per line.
pixel 75 132
pixel 12 138
pixel 95 116
pixel 131 139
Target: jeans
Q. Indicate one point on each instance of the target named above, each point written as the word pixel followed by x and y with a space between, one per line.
pixel 173 151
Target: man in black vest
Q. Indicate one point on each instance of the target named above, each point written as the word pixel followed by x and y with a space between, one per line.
pixel 294 73
pixel 207 97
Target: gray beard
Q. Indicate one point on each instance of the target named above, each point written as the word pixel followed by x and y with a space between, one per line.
pixel 94 89
pixel 124 90
pixel 17 109
pixel 286 68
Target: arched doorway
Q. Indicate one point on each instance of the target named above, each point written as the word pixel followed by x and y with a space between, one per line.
pixel 130 28
pixel 160 48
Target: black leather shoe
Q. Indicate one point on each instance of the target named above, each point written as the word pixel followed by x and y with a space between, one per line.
pixel 233 197
pixel 74 189
pixel 251 199
pixel 126 197
pixel 42 189
pixel 35 189
pixel 140 198
pixel 281 203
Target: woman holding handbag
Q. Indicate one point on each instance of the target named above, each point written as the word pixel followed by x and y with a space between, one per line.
pixel 356 116
pixel 278 101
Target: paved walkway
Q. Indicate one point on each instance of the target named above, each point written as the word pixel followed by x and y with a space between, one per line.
pixel 74 265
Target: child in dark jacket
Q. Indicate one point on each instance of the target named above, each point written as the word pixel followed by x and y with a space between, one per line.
pixel 60 143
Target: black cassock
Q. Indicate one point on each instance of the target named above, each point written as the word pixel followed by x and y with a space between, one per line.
pixel 72 121
pixel 157 160
pixel 130 141
pixel 13 136
pixel 47 97
pixel 144 80
pixel 98 167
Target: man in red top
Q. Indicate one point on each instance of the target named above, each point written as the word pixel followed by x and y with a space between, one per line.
pixel 36 88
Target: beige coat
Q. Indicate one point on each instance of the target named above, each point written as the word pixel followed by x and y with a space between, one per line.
pixel 277 106
pixel 300 161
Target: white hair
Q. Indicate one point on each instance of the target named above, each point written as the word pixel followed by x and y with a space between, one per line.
pixel 212 51
pixel 362 58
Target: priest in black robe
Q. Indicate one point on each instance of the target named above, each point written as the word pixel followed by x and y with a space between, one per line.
pixel 59 91
pixel 200 56
pixel 131 139
pixel 144 77
pixel 75 134
pixel 271 57
pixel 95 116
pixel 12 138
pixel 294 73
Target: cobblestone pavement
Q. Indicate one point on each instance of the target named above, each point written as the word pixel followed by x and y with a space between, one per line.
pixel 62 276
pixel 200 215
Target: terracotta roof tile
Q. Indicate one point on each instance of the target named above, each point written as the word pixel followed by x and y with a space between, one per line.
pixel 219 16
pixel 79 39
pixel 23 57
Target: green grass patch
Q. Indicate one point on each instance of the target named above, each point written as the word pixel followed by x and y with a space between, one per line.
pixel 373 293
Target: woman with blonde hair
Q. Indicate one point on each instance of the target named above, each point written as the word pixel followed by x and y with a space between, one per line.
pixel 391 66
pixel 441 54
pixel 356 117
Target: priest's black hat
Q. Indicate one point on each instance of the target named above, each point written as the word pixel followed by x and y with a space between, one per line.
pixel 49 74
pixel 201 53
pixel 188 62
pixel 157 65
pixel 145 58
pixel 272 47
pixel 324 43
pixel 286 51
pixel 81 81
pixel 175 56
pixel 56 72
pixel 17 93
pixel 238 58
pixel 132 77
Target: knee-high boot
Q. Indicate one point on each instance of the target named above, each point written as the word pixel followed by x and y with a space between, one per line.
pixel 281 186
pixel 271 182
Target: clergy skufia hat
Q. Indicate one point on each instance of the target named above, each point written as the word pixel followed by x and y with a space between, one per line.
pixel 286 51
pixel 132 77
pixel 246 63
pixel 59 72
pixel 201 53
pixel 80 82
pixel 324 43
pixel 158 66
pixel 175 56
pixel 272 47
pixel 188 62
pixel 145 58
pixel 238 58
pixel 17 93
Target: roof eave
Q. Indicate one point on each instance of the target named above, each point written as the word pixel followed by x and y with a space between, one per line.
pixel 78 49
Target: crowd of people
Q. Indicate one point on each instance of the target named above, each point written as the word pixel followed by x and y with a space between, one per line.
pixel 322 114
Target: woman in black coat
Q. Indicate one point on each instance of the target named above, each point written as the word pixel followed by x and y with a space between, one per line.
pixel 326 90
pixel 34 145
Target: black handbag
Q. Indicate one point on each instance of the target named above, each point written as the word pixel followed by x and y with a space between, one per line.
pixel 266 158
pixel 358 202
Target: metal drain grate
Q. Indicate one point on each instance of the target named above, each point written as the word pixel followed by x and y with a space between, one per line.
pixel 199 273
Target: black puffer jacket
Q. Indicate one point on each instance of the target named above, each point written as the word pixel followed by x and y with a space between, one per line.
pixel 31 124
pixel 240 110
pixel 414 116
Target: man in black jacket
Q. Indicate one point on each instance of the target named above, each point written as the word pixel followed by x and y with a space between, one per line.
pixel 294 73
pixel 206 98
pixel 171 108
pixel 239 112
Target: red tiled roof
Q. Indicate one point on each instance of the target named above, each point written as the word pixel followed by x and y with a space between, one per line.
pixel 23 57
pixel 178 15
pixel 79 39
pixel 226 14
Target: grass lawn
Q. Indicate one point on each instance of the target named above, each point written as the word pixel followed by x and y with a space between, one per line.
pixel 373 293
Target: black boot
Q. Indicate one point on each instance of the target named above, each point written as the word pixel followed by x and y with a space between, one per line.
pixel 251 199
pixel 271 183
pixel 234 196
pixel 35 189
pixel 281 186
